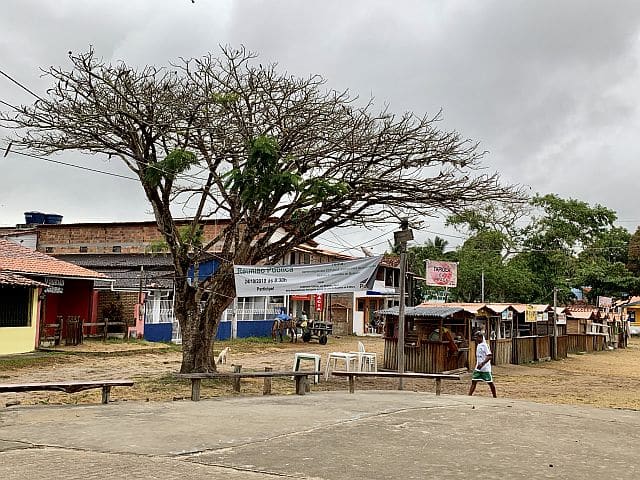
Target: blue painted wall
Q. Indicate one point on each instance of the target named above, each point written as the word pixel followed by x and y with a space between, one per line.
pixel 161 332
pixel 224 331
pixel 252 328
pixel 158 332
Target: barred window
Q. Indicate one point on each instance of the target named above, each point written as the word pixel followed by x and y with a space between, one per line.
pixel 14 307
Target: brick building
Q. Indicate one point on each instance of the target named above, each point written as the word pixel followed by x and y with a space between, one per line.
pixel 143 287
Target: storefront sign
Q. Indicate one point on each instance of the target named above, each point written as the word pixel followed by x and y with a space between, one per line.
pixel 530 314
pixel 55 285
pixel 318 301
pixel 442 274
pixel 336 277
pixel 605 301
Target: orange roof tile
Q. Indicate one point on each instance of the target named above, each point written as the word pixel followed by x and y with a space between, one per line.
pixel 17 259
pixel 14 280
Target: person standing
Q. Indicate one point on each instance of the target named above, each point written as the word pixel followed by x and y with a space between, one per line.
pixel 482 372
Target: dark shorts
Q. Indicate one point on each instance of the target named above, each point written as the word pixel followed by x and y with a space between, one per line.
pixel 481 376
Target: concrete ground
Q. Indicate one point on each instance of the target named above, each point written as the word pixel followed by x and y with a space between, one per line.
pixel 326 435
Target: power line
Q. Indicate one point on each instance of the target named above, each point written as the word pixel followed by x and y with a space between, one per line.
pixel 25 88
pixel 80 167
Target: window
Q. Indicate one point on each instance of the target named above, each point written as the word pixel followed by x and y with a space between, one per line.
pixel 116 249
pixel 14 307
pixel 48 249
pixel 83 249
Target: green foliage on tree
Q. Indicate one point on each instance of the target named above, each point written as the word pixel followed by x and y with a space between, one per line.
pixel 633 253
pixel 566 243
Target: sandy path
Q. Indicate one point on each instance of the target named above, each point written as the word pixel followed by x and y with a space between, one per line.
pixel 604 379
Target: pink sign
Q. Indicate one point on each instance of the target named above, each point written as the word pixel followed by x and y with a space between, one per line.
pixel 442 274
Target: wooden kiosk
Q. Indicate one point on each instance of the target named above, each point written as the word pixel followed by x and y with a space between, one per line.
pixel 436 338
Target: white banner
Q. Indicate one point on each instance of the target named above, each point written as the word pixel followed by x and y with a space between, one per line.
pixel 441 274
pixel 605 301
pixel 336 277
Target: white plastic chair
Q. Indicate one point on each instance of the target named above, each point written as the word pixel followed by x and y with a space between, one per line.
pixel 367 361
pixel 315 358
pixel 346 357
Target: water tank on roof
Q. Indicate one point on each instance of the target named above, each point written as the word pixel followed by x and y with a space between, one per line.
pixel 52 219
pixel 33 218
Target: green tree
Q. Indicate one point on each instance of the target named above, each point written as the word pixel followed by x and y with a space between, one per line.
pixel 574 244
pixel 281 159
pixel 633 253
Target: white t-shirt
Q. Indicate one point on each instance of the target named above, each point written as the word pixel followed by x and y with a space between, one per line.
pixel 482 352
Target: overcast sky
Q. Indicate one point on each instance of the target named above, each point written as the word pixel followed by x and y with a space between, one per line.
pixel 549 88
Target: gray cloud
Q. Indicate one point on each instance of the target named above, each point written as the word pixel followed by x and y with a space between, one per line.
pixel 547 87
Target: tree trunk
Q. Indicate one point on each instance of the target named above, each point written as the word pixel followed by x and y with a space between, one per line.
pixel 199 326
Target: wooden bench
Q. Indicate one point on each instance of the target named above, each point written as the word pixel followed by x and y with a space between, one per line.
pixel 437 376
pixel 67 387
pixel 301 378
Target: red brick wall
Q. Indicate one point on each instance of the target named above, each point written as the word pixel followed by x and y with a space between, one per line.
pixel 101 238
pixel 129 301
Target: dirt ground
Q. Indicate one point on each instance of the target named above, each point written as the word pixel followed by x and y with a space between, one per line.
pixel 608 379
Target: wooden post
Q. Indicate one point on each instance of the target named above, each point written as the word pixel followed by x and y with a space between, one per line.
pixel 438 386
pixel 352 384
pixel 266 390
pixel 236 380
pixel 106 389
pixel 195 389
pixel 301 384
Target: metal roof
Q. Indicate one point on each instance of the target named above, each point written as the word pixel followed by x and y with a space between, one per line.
pixel 103 261
pixel 427 312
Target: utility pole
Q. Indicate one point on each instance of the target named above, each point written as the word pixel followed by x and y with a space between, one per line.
pixel 482 287
pixel 555 323
pixel 401 238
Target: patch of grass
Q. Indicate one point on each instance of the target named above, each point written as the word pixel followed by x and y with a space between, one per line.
pixel 25 360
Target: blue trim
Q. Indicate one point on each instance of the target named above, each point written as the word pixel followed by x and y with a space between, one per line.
pixel 158 332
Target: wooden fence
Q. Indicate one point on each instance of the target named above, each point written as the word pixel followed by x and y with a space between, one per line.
pixel 524 350
pixel 428 357
pixel 543 348
pixel 563 345
pixel 586 343
pixel 502 350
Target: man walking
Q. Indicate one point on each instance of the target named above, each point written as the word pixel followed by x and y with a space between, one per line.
pixel 482 372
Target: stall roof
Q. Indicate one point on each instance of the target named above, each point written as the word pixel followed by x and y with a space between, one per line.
pixel 467 307
pixel 582 313
pixel 422 311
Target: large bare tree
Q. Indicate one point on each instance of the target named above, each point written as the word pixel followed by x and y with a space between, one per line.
pixel 282 159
